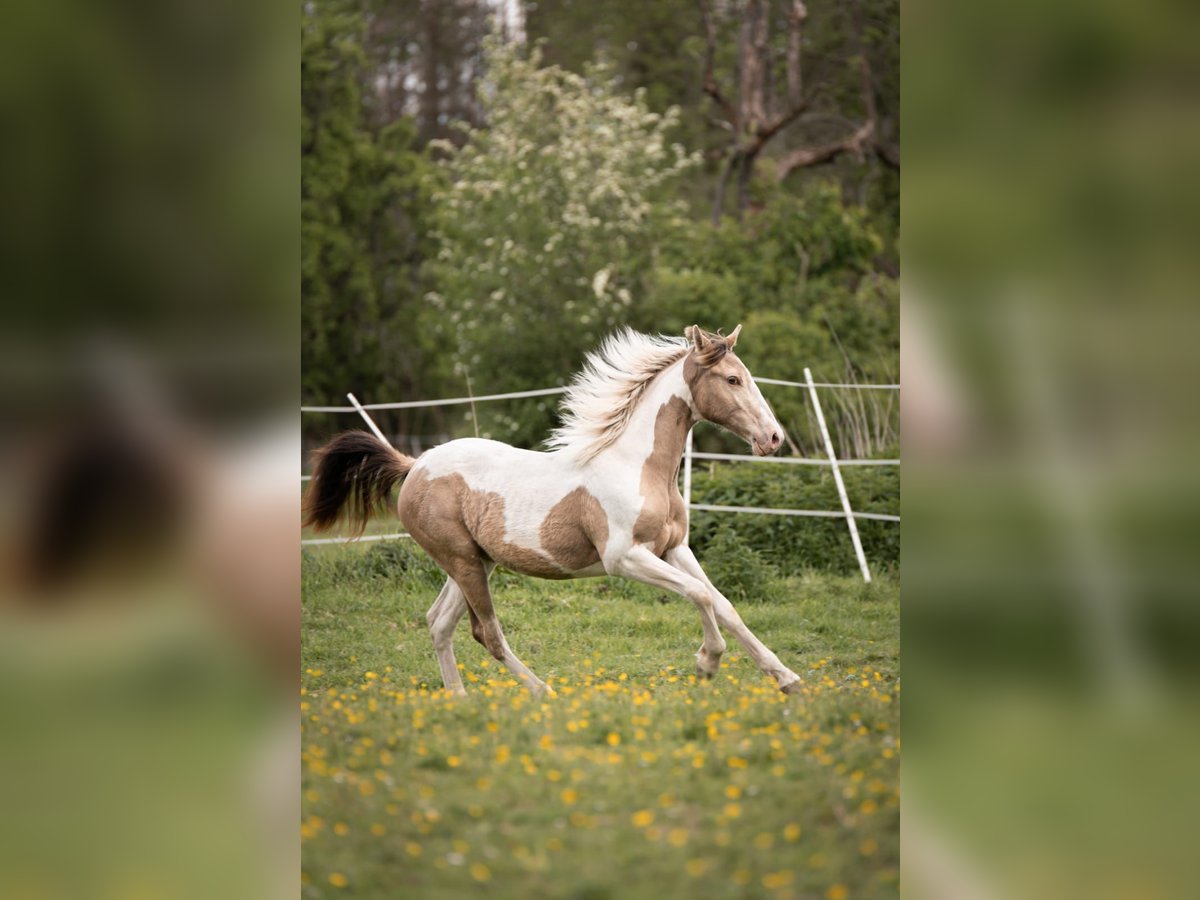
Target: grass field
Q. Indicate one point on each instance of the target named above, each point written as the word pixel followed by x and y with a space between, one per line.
pixel 635 781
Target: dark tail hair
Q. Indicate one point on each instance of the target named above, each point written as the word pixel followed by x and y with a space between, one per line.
pixel 352 476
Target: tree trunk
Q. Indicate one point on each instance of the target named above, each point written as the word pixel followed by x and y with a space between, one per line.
pixel 746 171
pixel 722 184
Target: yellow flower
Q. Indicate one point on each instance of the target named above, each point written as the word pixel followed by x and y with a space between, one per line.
pixel 764 841
pixel 480 872
pixel 454 761
pixel 341 829
pixel 868 847
pixel 775 880
pixel 503 753
pixel 613 739
pixel 412 848
pixel 642 818
pixel 869 807
pixel 736 762
pixel 837 892
pixel 677 837
pixel 569 797
pixel 337 879
pixel 791 832
pixel 696 867
pixel 731 810
pixel 733 791
pixel 378 830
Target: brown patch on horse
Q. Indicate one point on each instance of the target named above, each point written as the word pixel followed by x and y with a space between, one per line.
pixel 662 522
pixel 575 531
pixel 454 523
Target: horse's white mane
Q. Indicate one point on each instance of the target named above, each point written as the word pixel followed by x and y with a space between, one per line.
pixel 601 399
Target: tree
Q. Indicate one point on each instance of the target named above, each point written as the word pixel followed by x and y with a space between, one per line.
pixel 547 226
pixel 773 91
pixel 363 197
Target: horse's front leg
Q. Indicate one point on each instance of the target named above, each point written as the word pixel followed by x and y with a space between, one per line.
pixel 682 559
pixel 640 564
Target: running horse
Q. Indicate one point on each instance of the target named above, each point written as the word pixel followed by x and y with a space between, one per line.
pixel 603 500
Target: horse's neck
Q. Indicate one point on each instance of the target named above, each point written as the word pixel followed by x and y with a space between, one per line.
pixel 661 422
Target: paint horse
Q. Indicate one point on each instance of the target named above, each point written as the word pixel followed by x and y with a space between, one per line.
pixel 602 501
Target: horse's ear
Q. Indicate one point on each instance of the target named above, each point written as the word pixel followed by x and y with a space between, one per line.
pixel 732 339
pixel 699 339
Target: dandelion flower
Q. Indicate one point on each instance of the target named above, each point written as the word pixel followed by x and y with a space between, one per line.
pixel 696 867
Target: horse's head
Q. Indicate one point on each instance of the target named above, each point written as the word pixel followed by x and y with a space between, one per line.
pixel 724 392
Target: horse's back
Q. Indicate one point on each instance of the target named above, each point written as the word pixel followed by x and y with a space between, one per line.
pixel 474 495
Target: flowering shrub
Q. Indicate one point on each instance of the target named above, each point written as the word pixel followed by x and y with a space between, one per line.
pixel 549 218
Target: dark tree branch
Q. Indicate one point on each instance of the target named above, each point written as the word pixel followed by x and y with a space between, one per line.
pixel 803 157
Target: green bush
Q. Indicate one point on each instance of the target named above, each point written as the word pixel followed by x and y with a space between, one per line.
pixel 739 571
pixel 384 561
pixel 792 544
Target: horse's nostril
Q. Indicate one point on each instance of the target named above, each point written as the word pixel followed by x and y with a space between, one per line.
pixel 775 439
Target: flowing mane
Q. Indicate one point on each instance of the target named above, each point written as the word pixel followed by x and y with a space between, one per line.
pixel 601 399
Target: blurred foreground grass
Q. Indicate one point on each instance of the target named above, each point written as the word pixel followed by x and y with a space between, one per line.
pixel 634 781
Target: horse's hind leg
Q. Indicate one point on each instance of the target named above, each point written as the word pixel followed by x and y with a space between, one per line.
pixel 443 618
pixel 472 577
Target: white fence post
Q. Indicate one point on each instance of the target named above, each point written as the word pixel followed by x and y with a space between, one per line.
pixel 687 472
pixel 837 477
pixel 370 422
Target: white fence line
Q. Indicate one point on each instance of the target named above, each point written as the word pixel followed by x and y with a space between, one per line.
pixel 816 513
pixel 794 460
pixel 829 384
pixel 546 392
pixel 689 454
pixel 349 540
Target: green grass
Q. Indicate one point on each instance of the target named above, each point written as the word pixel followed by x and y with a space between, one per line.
pixel 635 781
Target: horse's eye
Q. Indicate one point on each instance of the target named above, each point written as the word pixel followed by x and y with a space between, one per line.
pixel 733 379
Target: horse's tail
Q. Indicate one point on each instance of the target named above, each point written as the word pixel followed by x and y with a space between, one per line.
pixel 352 476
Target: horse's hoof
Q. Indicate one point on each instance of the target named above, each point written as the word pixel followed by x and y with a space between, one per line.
pixel 792 687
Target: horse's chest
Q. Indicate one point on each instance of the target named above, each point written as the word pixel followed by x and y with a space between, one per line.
pixel 662 522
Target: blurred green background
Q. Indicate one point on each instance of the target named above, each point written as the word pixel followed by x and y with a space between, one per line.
pixel 1050 621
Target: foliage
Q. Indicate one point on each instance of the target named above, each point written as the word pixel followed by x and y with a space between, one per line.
pixel 726 786
pixel 739 571
pixel 792 544
pixel 546 227
pixel 798 274
pixel 384 564
pixel 363 200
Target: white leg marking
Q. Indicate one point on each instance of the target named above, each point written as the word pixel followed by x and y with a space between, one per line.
pixel 685 561
pixel 443 618
pixel 640 564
